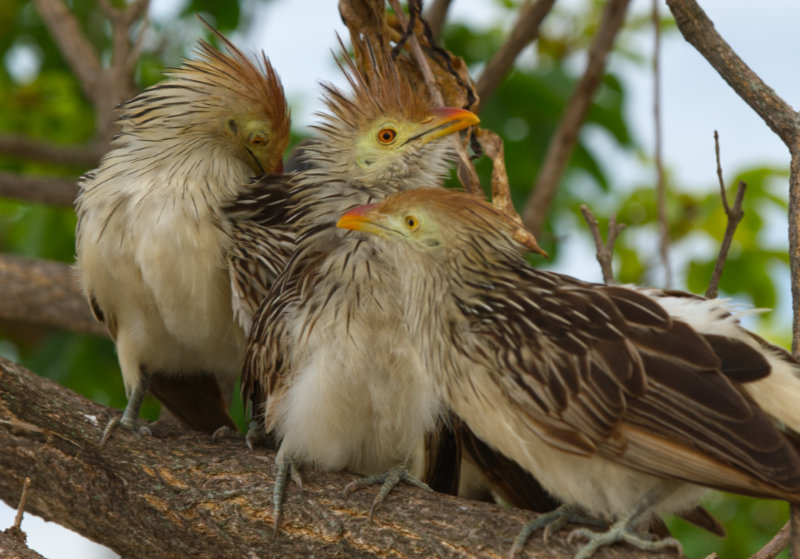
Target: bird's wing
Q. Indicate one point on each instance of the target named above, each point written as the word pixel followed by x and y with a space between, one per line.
pixel 602 369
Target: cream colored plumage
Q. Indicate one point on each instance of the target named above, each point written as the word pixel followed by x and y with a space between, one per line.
pixel 153 244
pixel 626 402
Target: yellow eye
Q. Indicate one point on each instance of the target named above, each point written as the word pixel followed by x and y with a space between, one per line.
pixel 387 135
pixel 411 222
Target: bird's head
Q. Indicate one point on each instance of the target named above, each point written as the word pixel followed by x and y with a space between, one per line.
pixel 385 129
pixel 218 102
pixel 435 220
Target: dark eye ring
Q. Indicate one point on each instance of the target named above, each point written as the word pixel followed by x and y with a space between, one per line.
pixel 387 135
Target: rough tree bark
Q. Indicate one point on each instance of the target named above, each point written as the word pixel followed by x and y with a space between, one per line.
pixel 180 495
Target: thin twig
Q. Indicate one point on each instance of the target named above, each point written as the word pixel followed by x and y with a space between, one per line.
pixel 21 507
pixel 774 546
pixel 794 530
pixel 661 188
pixel 734 214
pixel 566 136
pixel 525 31
pixel 436 15
pixel 605 251
pixel 466 171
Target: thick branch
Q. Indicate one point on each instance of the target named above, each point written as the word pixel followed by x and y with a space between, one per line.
pixel 524 32
pixel 12 544
pixel 183 496
pixel 565 137
pixel 74 45
pixel 45 293
pixel 698 30
pixel 56 191
pixel 794 245
pixel 22 147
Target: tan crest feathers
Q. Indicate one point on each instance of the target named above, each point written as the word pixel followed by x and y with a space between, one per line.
pixel 377 89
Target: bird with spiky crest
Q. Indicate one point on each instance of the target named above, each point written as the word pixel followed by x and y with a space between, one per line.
pixel 623 402
pixel 154 246
pixel 337 392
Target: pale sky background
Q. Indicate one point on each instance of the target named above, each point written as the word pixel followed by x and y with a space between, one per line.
pixel 695 102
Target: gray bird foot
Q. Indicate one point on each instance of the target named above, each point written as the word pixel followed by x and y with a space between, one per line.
pixel 128 424
pixel 390 479
pixel 621 531
pixel 552 522
pixel 285 467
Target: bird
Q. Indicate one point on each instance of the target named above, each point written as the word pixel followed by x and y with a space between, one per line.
pixel 624 402
pixel 157 257
pixel 338 393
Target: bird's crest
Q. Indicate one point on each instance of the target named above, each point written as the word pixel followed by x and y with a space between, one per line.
pixel 377 88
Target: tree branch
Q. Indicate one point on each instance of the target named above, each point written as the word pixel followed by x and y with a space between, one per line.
pixel 74 45
pixel 661 187
pixel 56 191
pixel 604 251
pixel 436 15
pixel 566 135
pixel 734 215
pixel 23 147
pixel 45 293
pixel 181 495
pixel 698 30
pixel 525 30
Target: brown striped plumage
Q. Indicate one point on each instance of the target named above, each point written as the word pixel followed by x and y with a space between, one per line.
pixel 155 251
pixel 606 394
pixel 337 392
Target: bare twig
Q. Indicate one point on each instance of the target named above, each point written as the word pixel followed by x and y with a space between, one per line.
pixel 774 546
pixel 734 214
pixel 794 245
pixel 22 500
pixel 466 171
pixel 794 530
pixel 605 251
pixel 23 147
pixel 48 190
pixel 661 188
pixel 525 30
pixel 565 137
pixel 436 15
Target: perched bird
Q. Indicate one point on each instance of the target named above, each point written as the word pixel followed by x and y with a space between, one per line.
pixel 623 402
pixel 336 390
pixel 154 247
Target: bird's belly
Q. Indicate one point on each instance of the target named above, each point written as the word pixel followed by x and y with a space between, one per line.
pixel 168 290
pixel 361 403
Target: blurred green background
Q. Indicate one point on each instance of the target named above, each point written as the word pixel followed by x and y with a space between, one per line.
pixel 46 103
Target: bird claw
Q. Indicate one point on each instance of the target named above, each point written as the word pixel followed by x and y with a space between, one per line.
pixel 125 422
pixel 256 435
pixel 619 532
pixel 389 481
pixel 552 522
pixel 224 432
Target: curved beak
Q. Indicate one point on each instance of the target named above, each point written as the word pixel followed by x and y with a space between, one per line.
pixel 444 121
pixel 362 218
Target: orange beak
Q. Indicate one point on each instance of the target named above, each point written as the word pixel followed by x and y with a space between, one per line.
pixel 360 219
pixel 444 121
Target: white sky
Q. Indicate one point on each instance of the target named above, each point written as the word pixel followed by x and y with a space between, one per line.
pixel 695 102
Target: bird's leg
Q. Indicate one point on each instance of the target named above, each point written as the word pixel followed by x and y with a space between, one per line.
pixel 552 522
pixel 131 413
pixel 257 435
pixel 389 480
pixel 285 467
pixel 624 530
